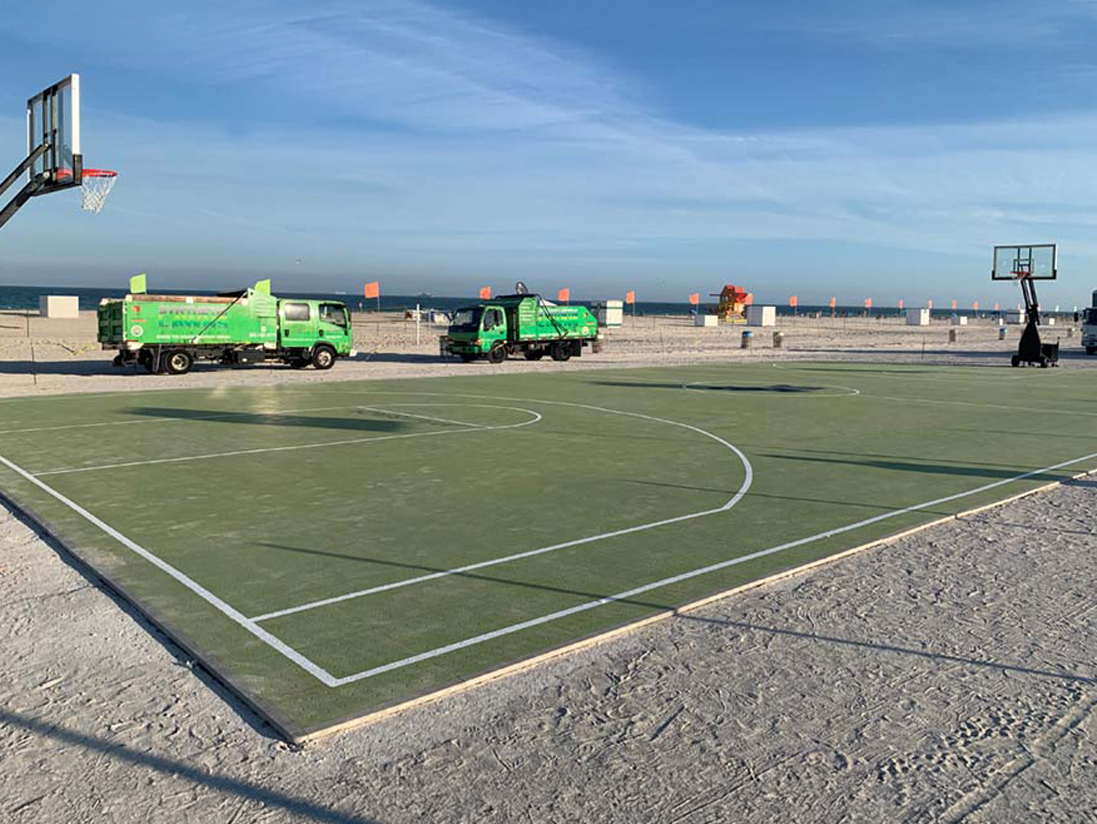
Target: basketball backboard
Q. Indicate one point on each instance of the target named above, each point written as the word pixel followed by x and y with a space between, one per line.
pixel 1034 261
pixel 53 132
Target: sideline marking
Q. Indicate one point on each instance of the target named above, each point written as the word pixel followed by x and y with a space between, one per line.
pixel 620 596
pixel 748 479
pixel 199 590
pixel 265 449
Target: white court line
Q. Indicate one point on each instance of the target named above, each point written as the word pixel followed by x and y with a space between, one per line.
pixel 319 672
pixel 290 448
pixel 621 596
pixel 748 479
pixel 210 417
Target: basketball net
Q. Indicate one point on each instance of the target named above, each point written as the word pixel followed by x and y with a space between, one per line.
pixel 95 187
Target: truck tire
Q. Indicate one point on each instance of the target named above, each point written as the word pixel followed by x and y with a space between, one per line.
pixel 323 357
pixel 534 354
pixel 561 350
pixel 1091 350
pixel 466 357
pixel 177 362
pixel 497 354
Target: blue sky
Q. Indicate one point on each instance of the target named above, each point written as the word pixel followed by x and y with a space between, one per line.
pixel 814 148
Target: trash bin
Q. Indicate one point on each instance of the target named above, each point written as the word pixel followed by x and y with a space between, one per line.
pixel 778 340
pixel 952 336
pixel 1001 333
pixel 745 340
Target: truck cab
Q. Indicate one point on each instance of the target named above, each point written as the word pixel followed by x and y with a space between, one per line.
pixel 478 330
pixel 1089 329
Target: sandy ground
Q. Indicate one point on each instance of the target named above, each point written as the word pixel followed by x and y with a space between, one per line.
pixel 947 676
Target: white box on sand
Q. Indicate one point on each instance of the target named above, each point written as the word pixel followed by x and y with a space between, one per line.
pixel 917 317
pixel 761 316
pixel 705 320
pixel 959 320
pixel 59 306
pixel 610 312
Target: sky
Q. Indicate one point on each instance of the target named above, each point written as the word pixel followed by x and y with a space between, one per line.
pixel 818 148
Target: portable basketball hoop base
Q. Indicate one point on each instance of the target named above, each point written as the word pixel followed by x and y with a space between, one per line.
pixel 1027 264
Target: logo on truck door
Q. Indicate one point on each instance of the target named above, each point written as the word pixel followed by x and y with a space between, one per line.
pixel 137 331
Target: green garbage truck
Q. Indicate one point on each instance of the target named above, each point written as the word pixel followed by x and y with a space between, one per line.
pixel 524 324
pixel 168 333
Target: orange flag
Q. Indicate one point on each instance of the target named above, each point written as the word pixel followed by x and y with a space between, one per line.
pixel 975 306
pixel 997 307
pixel 695 298
pixel 373 290
pixel 954 306
pixel 833 302
pixel 792 301
pixel 868 303
pixel 630 297
pixel 900 304
pixel 564 295
pixel 929 304
pixel 485 293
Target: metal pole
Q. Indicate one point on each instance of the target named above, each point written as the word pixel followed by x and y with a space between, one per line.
pixel 417 316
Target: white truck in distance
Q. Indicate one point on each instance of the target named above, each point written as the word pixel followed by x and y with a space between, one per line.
pixel 1089 327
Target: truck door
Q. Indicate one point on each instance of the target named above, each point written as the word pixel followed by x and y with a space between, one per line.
pixel 493 326
pixel 334 327
pixel 297 327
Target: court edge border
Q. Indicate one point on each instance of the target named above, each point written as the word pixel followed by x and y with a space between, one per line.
pixel 315 734
pixel 298 735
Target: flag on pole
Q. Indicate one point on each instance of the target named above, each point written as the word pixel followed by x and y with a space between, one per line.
pixel 630 297
pixel 868 303
pixel 695 299
pixel 975 306
pixel 373 290
pixel 833 302
pixel 793 301
pixel 929 304
pixel 997 306
pixel 954 306
pixel 485 293
pixel 900 304
pixel 564 295
pixel 138 284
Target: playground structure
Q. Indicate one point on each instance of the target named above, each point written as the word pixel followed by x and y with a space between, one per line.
pixel 733 304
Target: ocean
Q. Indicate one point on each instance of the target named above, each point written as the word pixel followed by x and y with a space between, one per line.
pixel 24 298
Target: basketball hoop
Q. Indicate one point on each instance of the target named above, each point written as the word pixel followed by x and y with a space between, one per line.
pixel 96 186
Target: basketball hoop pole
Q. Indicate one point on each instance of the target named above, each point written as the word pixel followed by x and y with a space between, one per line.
pixel 28 191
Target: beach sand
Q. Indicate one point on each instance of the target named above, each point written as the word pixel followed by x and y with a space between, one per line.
pixel 945 676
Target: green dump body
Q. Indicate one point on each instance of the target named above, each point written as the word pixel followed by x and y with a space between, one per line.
pixel 513 324
pixel 247 327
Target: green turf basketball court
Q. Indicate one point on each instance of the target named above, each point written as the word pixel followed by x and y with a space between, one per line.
pixel 332 550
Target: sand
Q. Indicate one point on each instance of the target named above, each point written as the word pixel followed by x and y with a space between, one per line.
pixel 947 676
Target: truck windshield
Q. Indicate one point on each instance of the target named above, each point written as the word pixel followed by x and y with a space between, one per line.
pixel 467 319
pixel 333 313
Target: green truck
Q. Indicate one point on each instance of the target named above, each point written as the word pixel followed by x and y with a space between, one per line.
pixel 520 324
pixel 168 333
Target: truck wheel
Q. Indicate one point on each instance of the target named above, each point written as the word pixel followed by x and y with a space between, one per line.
pixel 178 362
pixel 497 354
pixel 466 357
pixel 561 350
pixel 323 357
pixel 534 354
pixel 1091 350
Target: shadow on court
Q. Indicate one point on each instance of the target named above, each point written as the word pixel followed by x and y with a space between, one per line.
pixel 715 387
pixel 924 468
pixel 872 646
pixel 354 420
pixel 108 749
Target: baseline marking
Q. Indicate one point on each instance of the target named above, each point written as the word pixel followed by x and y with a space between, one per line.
pixel 621 596
pixel 199 590
pixel 748 479
pixel 262 450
